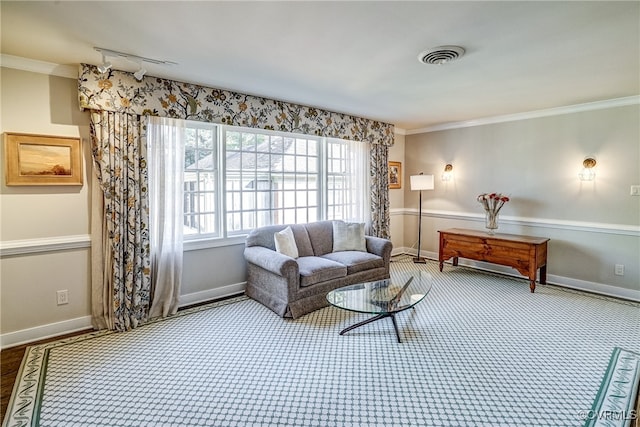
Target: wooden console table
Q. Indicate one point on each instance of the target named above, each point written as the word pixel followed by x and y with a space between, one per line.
pixel 524 253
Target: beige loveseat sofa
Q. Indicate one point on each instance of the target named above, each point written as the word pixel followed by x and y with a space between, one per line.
pixel 292 287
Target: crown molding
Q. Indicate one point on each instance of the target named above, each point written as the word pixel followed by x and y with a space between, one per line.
pixel 589 106
pixel 35 66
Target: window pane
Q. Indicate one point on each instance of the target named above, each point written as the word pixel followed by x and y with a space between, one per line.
pixel 248 142
pixel 312 147
pixel 301 146
pixel 301 215
pixel 248 161
pixel 248 220
pixel 277 144
pixel 207 223
pixel 289 163
pixel 289 216
pixel 232 140
pixel 233 201
pixel 275 162
pixel 206 139
pixel 248 201
pixel 233 221
pixel 301 198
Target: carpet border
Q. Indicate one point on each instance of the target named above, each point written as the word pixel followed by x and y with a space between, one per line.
pixel 28 397
pixel 609 415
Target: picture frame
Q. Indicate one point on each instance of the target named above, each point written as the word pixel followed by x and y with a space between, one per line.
pixel 395 175
pixel 42 160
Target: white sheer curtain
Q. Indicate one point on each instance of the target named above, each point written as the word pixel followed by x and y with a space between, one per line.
pixel 165 145
pixel 359 209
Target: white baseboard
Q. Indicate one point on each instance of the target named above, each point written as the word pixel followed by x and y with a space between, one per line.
pixel 211 294
pixel 42 332
pixel 51 330
pixel 552 279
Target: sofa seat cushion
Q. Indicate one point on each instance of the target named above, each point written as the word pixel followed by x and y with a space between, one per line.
pixel 356 261
pixel 315 269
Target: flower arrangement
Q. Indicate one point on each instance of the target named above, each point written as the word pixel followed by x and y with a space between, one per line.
pixel 492 203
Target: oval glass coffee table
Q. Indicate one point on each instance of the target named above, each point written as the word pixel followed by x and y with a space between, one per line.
pixel 383 298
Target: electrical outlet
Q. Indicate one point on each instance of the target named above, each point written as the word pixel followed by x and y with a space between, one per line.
pixel 62 297
pixel 635 190
pixel 619 270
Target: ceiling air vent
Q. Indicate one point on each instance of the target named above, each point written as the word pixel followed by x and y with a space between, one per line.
pixel 441 55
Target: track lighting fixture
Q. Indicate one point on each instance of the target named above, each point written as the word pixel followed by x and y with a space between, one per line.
pixel 140 73
pixel 133 58
pixel 105 66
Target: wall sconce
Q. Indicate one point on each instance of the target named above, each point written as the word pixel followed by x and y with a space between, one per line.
pixel 447 175
pixel 588 172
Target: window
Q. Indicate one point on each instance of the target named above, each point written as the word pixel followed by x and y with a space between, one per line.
pixel 201 181
pixel 270 179
pixel 347 176
pixel 237 179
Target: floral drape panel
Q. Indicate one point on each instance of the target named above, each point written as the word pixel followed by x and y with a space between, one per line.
pixel 119 156
pixel 379 181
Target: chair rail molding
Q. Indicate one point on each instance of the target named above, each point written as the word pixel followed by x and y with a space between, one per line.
pixel 46 244
pixel 590 227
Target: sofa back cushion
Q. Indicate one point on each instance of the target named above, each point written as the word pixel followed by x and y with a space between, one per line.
pixel 264 236
pixel 321 236
pixel 348 237
pixel 302 240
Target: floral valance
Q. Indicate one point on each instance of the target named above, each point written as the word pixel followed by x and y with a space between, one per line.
pixel 120 91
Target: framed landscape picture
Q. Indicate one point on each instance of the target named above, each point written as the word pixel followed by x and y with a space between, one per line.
pixel 42 160
pixel 395 175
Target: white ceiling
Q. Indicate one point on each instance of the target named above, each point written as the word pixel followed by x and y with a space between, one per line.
pixel 356 57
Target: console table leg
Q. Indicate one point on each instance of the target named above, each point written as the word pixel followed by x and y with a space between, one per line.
pixel 532 285
pixel 543 274
pixel 441 264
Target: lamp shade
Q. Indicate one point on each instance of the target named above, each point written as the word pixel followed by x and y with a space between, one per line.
pixel 421 182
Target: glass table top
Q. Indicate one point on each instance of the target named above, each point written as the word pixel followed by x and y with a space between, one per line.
pixel 400 292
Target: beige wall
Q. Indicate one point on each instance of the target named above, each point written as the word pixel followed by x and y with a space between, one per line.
pixel 33 216
pixel 396 196
pixel 592 225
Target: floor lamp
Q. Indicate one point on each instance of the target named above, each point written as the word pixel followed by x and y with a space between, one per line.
pixel 419 183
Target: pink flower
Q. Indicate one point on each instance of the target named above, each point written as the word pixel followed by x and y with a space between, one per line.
pixel 492 202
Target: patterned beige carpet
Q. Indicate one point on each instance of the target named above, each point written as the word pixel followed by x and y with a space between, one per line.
pixel 479 350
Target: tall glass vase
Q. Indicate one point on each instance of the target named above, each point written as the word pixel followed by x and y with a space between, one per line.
pixel 491 221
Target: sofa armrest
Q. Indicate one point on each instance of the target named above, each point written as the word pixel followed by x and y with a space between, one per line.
pixel 379 246
pixel 272 261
